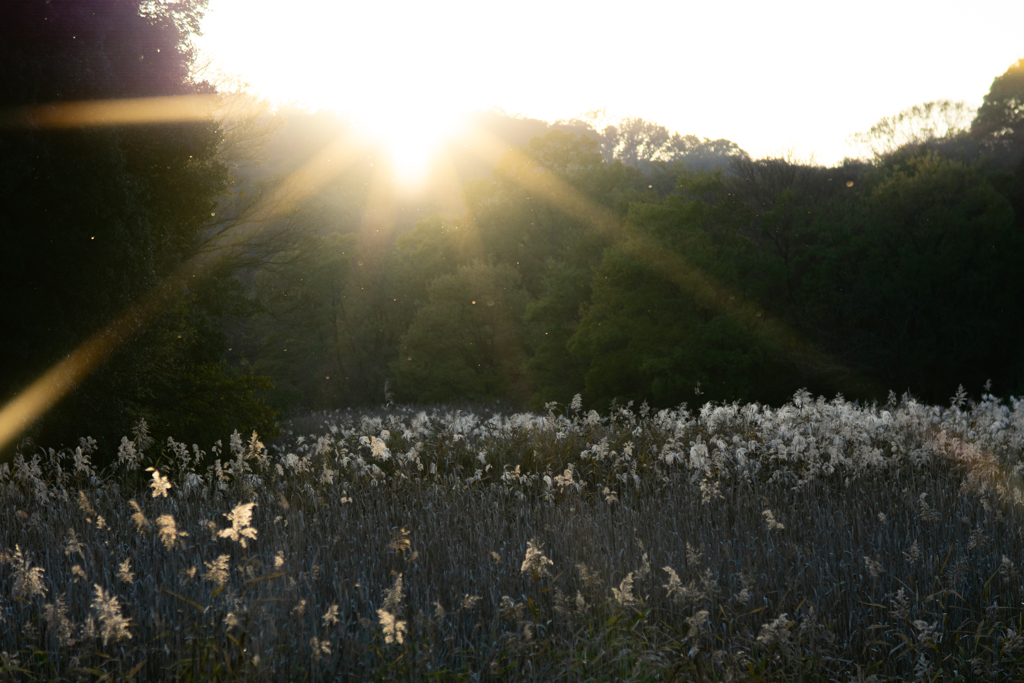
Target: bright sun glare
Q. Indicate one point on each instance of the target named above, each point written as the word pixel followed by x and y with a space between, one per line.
pixel 413 140
pixel 404 69
pixel 396 81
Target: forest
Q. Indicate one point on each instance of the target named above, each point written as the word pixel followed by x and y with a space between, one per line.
pixel 263 261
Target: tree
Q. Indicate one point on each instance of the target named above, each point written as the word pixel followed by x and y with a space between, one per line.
pixel 678 303
pixel 999 129
pixel 551 320
pixel 920 124
pixel 96 218
pixel 654 150
pixel 302 332
pixel 915 284
pixel 466 342
pixel 1000 119
pixel 541 200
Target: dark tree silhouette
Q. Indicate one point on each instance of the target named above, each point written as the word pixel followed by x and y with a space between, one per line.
pixel 95 217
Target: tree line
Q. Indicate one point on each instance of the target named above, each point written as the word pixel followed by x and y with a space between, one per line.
pixel 743 281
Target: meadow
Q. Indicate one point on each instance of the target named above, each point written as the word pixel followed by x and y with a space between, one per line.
pixel 819 540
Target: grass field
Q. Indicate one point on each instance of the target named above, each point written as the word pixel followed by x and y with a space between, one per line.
pixel 817 541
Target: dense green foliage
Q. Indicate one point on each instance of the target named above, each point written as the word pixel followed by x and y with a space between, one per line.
pixel 658 267
pixel 95 218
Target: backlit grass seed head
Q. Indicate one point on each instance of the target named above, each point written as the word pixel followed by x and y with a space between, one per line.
pixel 744 596
pixel 927 633
pixel 509 607
pixel 127 456
pixel 28 580
pixel 142 439
pixel 83 463
pixel 708 583
pixel 240 530
pixel 674 585
pixel 235 444
pixel 400 543
pixel 88 631
pixel 217 570
pixel 1010 643
pixel 393 595
pixel 710 490
pixel 565 480
pixel 1007 570
pixel 56 616
pixel 769 519
pixel 900 605
pixel 321 648
pixel 693 555
pixel 926 513
pixel 256 451
pixel 978 539
pixel 72 545
pixel 378 448
pixel 590 578
pixel 86 507
pixel 124 571
pixel 624 593
pixel 160 485
pixel 113 626
pixel 875 567
pixel 535 562
pixel 775 632
pixel 394 630
pixel 645 567
pixel 137 517
pixel 331 617
pixel 168 532
pixel 913 555
pixel 697 623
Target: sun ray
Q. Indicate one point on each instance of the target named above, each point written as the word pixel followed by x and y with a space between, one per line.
pixel 225 241
pixel 446 187
pixel 669 265
pixel 94 113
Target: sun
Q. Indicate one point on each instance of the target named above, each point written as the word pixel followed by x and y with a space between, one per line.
pixel 395 75
pixel 414 141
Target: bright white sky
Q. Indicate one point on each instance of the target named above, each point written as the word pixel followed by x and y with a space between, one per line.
pixel 771 76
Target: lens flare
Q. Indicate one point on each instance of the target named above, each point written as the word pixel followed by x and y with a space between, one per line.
pixel 224 240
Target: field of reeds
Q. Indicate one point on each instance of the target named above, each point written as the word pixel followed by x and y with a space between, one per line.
pixel 818 541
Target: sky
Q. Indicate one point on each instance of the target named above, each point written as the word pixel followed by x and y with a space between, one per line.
pixel 774 77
